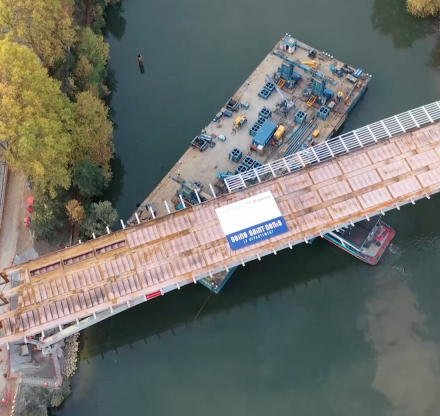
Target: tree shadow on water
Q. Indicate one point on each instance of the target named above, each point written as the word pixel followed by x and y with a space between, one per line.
pixel 390 18
pixel 434 58
pixel 116 186
pixel 112 85
pixel 115 21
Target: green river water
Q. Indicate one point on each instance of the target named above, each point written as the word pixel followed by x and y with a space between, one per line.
pixel 311 331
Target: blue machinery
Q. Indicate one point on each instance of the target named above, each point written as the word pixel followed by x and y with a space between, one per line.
pixel 306 69
pixel 285 105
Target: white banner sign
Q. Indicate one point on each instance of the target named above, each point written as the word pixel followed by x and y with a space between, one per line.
pixel 251 220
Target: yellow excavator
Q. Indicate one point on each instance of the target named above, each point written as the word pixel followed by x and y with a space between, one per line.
pixel 239 121
pixel 311 64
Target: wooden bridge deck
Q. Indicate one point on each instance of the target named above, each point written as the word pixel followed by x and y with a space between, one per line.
pixel 76 282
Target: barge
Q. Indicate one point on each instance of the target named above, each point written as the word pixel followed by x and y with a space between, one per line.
pixel 297 97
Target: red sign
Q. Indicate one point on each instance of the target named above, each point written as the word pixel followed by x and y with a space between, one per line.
pixel 153 295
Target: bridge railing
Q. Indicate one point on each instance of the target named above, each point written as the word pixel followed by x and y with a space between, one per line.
pixel 345 143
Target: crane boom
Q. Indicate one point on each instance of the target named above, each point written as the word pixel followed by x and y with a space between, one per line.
pixel 276 87
pixel 287 103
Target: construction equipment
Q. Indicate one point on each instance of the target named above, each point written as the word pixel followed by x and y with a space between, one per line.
pixel 224 175
pixel 232 104
pixel 227 113
pixel 280 83
pixel 311 64
pixel 305 68
pixel 350 92
pixel 240 121
pixel 298 137
pixel 279 132
pixel 286 105
pixel 191 191
pixel 218 116
pixel 199 143
pixel 311 101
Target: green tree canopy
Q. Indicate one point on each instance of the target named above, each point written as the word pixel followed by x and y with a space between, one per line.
pixel 35 118
pixel 44 25
pixel 92 132
pixel 94 48
pixel 48 218
pixel 100 215
pixel 89 178
pixel 82 73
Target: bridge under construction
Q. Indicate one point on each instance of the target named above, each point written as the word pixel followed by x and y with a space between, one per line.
pixel 83 284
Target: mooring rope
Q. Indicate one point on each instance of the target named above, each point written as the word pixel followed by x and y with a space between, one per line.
pixel 198 313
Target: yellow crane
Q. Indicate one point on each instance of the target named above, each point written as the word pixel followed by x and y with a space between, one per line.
pixel 311 64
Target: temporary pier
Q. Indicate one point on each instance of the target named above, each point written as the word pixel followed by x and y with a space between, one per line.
pixel 361 174
pixel 296 97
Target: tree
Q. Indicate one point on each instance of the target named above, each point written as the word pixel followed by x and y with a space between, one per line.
pixel 89 178
pixel 423 8
pixel 82 73
pixel 391 19
pixel 36 119
pixel 44 25
pixel 92 132
pixel 94 48
pixel 48 219
pixel 75 211
pixel 101 215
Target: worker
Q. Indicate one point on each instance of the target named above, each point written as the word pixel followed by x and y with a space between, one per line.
pixel 140 60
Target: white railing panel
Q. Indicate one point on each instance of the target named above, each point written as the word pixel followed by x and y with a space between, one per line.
pixel 347 142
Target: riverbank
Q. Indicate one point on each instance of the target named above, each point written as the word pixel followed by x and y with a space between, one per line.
pixel 57 202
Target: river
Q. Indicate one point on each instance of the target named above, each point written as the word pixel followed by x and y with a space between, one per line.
pixel 311 331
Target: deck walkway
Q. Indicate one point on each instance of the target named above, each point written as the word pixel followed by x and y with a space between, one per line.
pixel 142 261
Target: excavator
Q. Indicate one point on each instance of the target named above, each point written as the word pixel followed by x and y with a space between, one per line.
pixel 239 121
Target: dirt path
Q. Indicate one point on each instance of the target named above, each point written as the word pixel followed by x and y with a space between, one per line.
pixel 13 236
pixel 13 213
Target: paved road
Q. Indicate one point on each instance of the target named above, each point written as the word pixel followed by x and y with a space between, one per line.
pixel 14 209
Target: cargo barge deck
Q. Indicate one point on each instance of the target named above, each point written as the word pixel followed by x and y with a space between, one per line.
pixel 297 97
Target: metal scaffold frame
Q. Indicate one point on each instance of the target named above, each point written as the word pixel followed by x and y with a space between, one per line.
pixel 345 143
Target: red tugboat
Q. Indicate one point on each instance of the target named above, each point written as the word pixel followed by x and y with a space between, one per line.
pixel 365 240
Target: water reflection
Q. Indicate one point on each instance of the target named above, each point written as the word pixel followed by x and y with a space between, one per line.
pixel 177 310
pixel 114 191
pixel 390 18
pixel 115 22
pixel 407 361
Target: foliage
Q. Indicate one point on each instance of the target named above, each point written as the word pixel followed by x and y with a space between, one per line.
pixel 92 132
pixel 36 118
pixel 94 48
pixel 82 73
pixel 100 215
pixel 423 8
pixel 89 178
pixel 115 21
pixel 56 397
pixel 44 25
pixel 34 409
pixel 75 211
pixel 49 218
pixel 391 19
pixel 98 17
